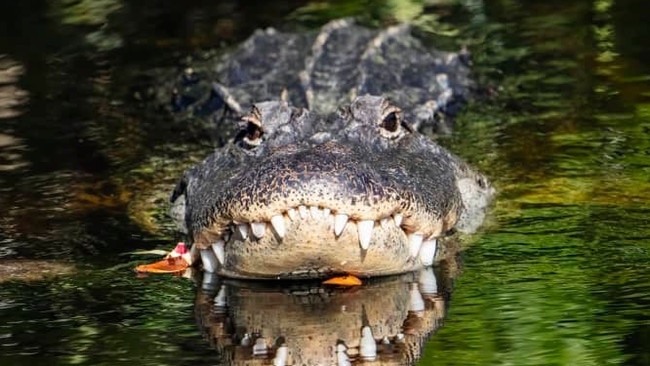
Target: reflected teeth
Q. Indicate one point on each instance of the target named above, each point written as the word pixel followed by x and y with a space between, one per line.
pixel 246 340
pixel 340 221
pixel 416 302
pixel 243 230
pixel 258 228
pixel 277 222
pixel 427 281
pixel 221 300
pixel 365 232
pixel 260 348
pixel 342 358
pixel 281 356
pixel 415 242
pixel 367 345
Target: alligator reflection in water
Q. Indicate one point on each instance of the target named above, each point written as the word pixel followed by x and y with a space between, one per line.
pixel 303 323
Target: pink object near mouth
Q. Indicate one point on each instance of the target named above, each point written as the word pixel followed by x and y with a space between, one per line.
pixel 181 248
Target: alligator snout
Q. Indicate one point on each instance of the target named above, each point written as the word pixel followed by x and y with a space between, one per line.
pixel 329 176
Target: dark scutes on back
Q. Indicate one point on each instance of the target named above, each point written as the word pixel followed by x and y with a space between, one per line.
pixel 325 69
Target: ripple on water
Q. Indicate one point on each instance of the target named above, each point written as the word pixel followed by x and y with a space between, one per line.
pixel 100 317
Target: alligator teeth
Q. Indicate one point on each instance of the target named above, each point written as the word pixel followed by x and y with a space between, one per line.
pixel 398 219
pixel 277 222
pixel 365 232
pixel 219 250
pixel 384 222
pixel 243 230
pixel 428 251
pixel 258 228
pixel 316 213
pixel 302 210
pixel 339 223
pixel 415 242
pixel 210 263
pixel 418 248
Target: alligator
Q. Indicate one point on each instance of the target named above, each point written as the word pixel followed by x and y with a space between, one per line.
pixel 328 173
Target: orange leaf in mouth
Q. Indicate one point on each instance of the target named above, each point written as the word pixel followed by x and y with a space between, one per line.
pixel 167 265
pixel 347 280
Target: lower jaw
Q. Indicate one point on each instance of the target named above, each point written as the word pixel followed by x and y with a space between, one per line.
pixel 310 250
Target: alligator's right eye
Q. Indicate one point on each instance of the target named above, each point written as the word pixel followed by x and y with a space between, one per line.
pixel 251 135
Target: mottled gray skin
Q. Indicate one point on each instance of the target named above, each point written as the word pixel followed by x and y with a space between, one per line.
pixel 324 70
pixel 326 147
pixel 364 161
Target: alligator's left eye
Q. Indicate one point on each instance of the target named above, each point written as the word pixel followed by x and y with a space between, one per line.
pixel 391 122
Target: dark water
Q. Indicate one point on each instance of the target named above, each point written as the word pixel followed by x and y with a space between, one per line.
pixel 559 276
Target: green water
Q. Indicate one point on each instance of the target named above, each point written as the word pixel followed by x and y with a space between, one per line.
pixel 562 277
pixel 559 275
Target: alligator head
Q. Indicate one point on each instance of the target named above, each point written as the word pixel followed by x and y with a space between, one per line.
pixel 297 194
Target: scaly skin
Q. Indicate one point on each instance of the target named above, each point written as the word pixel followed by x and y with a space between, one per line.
pixel 272 203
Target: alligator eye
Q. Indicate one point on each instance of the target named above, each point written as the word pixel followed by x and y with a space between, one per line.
pixel 250 136
pixel 253 132
pixel 391 122
pixel 253 135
